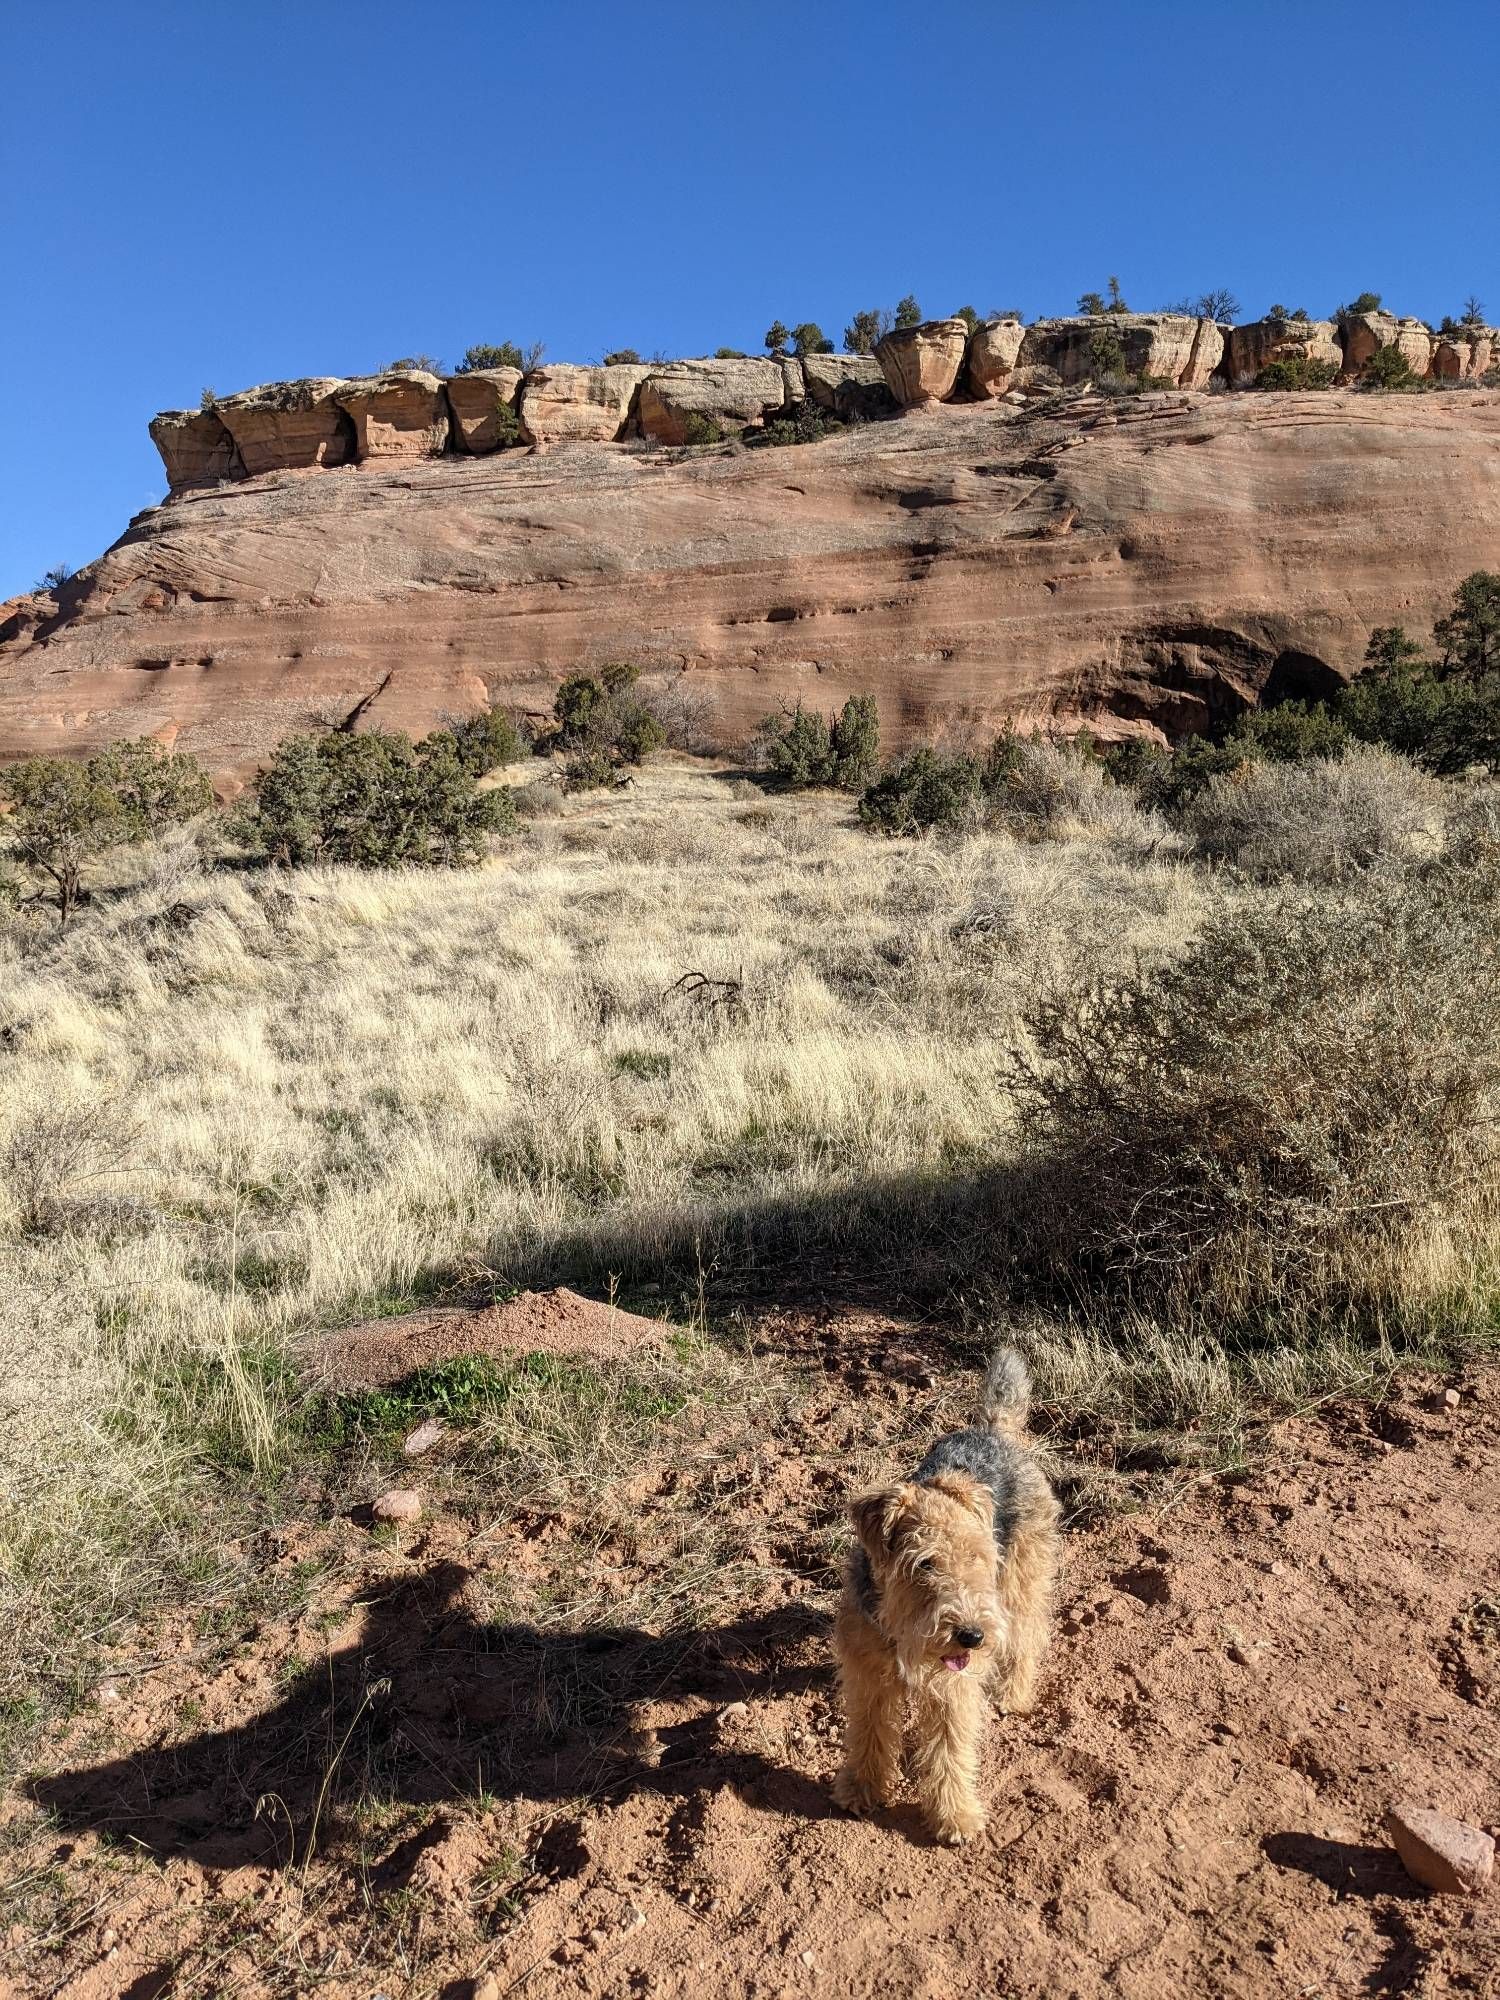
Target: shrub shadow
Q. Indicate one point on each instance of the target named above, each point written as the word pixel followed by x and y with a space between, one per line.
pixel 434 1705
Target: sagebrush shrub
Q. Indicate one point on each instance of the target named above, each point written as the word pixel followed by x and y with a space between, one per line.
pixel 1319 821
pixel 1295 1113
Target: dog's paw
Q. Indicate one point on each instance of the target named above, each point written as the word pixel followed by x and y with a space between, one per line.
pixel 859 1795
pixel 958 1828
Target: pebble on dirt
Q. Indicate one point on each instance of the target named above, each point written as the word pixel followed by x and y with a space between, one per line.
pixel 424 1437
pixel 400 1504
pixel 1442 1853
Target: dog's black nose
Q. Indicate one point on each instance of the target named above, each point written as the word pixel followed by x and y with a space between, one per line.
pixel 968 1636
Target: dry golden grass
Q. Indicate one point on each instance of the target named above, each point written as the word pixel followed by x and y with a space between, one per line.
pixel 235 1107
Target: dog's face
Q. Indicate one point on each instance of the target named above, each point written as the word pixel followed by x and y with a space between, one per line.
pixel 932 1553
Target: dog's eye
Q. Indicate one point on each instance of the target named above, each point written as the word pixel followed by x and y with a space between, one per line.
pixel 928 1563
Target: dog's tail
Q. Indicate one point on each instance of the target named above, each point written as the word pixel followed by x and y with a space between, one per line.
pixel 1006 1401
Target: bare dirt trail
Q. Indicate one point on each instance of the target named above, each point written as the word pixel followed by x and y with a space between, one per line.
pixel 1240 1685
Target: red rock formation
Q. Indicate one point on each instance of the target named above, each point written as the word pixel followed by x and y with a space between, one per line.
pixel 1137 565
pixel 1263 341
pixel 730 395
pixel 402 414
pixel 483 405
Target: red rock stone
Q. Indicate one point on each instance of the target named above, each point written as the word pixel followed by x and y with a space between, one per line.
pixel 1444 1854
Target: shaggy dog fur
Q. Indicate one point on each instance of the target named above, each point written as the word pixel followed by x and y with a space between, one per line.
pixel 946 1593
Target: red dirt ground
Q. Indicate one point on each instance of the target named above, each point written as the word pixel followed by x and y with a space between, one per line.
pixel 1241 1683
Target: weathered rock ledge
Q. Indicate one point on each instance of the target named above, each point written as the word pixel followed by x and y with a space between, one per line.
pixel 410 415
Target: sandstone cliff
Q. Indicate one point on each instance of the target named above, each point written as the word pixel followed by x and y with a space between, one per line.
pixel 1139 565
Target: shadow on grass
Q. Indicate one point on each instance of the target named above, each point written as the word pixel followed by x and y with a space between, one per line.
pixel 435 1705
pixel 914 1241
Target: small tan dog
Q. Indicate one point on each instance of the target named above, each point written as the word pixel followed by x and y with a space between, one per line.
pixel 947 1592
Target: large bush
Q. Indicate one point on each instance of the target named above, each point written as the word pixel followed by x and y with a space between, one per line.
pixel 374 801
pixel 925 790
pixel 606 719
pixel 1317 821
pixel 1027 786
pixel 486 741
pixel 64 812
pixel 843 750
pixel 1296 1113
pixel 1297 371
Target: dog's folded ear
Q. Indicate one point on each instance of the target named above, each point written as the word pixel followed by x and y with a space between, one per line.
pixel 971 1494
pixel 878 1518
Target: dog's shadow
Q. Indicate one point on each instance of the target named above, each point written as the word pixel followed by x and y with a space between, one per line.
pixel 434 1704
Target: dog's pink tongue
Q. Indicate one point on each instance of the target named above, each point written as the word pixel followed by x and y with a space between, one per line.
pixel 955 1662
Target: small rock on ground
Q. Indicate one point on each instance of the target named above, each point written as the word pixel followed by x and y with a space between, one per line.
pixel 400 1504
pixel 1442 1853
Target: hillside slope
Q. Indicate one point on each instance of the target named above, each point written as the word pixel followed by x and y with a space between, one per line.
pixel 1136 565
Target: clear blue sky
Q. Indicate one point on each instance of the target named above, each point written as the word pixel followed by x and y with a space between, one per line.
pixel 231 192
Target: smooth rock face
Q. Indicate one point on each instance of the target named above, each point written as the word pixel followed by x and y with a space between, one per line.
pixel 282 425
pixel 1263 341
pixel 478 401
pixel 732 394
pixel 848 385
pixel 1443 1854
pixel 565 404
pixel 195 448
pixel 1366 333
pixel 1147 566
pixel 921 364
pixel 402 414
pixel 1206 357
pixel 994 349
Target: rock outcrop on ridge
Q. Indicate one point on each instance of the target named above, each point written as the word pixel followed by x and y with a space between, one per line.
pixel 1139 565
pixel 407 414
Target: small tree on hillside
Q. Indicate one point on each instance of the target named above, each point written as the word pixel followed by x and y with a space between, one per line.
pixel 808 338
pixel 605 718
pixel 66 812
pixel 484 742
pixel 1469 636
pixel 797 748
pixel 804 748
pixel 778 337
pixel 866 330
pixel 1218 305
pixel 854 742
pixel 908 312
pixel 1388 368
pixel 1367 302
pixel 505 355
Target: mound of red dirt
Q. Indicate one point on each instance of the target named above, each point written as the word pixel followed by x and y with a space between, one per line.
pixel 379 1352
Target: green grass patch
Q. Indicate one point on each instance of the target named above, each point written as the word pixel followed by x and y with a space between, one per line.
pixel 474 1388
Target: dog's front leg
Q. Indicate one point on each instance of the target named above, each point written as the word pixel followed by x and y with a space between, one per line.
pixel 874 1704
pixel 949 1727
